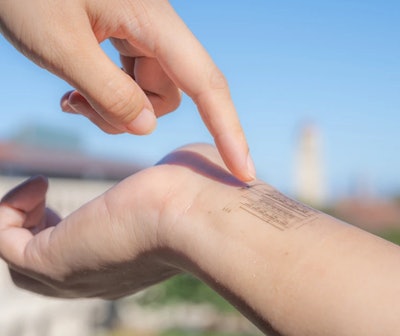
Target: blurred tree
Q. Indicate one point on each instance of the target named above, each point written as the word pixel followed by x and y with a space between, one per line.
pixel 184 288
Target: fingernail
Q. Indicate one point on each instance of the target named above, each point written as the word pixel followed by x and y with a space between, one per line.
pixel 64 102
pixel 144 123
pixel 65 107
pixel 250 167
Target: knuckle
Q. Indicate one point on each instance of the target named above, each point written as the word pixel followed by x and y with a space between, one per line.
pixel 136 22
pixel 170 103
pixel 175 101
pixel 102 124
pixel 123 104
pixel 109 129
pixel 215 84
pixel 218 81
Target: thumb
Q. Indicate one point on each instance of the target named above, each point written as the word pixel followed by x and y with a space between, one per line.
pixel 110 92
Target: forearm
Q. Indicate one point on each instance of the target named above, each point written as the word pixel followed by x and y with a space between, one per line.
pixel 285 266
pixel 288 267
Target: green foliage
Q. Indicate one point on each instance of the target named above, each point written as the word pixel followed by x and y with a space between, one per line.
pixel 184 288
pixel 177 332
pixel 391 235
pixel 396 199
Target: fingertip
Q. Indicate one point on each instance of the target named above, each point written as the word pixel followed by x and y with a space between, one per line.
pixel 64 103
pixel 66 96
pixel 251 169
pixel 235 153
pixel 245 174
pixel 144 123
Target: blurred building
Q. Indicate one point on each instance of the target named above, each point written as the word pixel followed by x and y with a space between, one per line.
pixel 376 215
pixel 309 167
pixel 360 207
pixel 25 159
pixel 74 179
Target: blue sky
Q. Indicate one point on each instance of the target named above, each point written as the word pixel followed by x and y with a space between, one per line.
pixel 334 63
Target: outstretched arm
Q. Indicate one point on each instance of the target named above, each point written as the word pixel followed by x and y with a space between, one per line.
pixel 290 269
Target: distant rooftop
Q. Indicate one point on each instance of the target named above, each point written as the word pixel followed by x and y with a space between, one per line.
pixel 374 214
pixel 20 158
pixel 47 137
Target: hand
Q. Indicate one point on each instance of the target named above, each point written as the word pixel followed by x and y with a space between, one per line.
pixel 125 236
pixel 265 253
pixel 159 56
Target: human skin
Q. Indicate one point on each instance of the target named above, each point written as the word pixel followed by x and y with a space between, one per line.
pixel 290 269
pixel 63 37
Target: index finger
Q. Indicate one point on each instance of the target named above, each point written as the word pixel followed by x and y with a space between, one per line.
pixel 188 64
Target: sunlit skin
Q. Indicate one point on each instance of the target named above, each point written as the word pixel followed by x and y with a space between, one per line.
pixel 290 269
pixel 159 56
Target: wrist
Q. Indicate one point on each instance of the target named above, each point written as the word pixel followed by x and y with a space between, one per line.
pixel 231 239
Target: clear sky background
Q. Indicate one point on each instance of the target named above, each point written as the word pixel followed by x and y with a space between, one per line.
pixel 333 63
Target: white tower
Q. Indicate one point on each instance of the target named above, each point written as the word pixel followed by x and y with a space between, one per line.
pixel 309 172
